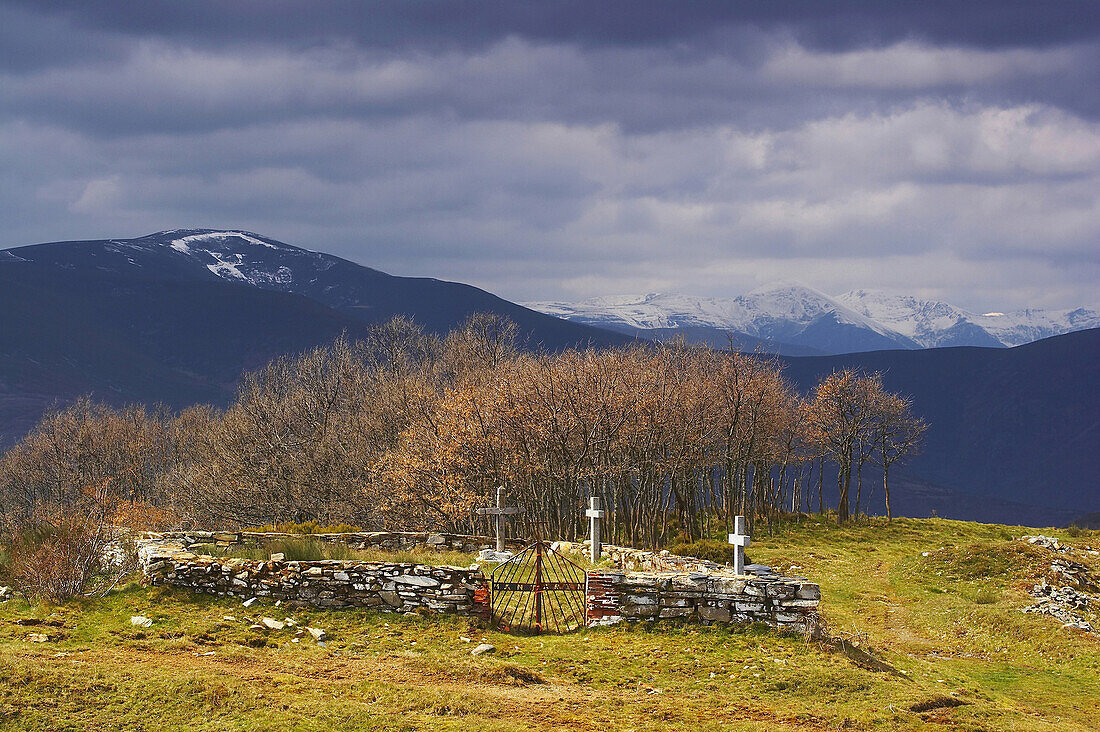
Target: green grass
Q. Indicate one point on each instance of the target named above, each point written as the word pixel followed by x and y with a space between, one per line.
pixel 948 622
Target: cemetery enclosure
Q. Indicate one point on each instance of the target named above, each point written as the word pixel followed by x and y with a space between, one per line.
pixel 641 586
pixel 538 590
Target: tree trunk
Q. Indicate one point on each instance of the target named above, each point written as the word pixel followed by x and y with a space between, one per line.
pixel 844 484
pixel 886 490
pixel 820 484
pixel 859 486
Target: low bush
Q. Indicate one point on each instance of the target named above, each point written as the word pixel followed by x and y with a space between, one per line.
pixel 58 561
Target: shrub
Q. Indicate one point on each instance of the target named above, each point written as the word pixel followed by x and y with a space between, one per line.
pixel 58 561
pixel 714 551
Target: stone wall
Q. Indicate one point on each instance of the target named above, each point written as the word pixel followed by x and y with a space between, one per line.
pixel 325 583
pixel 786 603
pixel 638 560
pixel 686 588
pixel 390 540
pixel 653 585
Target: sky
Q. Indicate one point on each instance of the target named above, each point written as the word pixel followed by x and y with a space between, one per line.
pixel 562 150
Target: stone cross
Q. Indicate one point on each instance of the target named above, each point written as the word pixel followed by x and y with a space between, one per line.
pixel 594 515
pixel 740 539
pixel 498 513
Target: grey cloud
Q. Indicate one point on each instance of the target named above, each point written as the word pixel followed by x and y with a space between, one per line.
pixel 168 85
pixel 466 23
pixel 542 152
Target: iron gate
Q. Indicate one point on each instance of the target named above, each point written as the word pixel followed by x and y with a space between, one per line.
pixel 538 590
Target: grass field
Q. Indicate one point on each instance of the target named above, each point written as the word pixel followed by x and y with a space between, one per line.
pixel 945 628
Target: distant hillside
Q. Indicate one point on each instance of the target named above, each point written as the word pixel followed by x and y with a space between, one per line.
pixel 250 260
pixel 1010 429
pixel 176 343
pixel 176 317
pixel 1090 521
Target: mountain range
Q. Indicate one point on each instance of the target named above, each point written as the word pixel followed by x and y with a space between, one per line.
pixel 792 319
pixel 176 317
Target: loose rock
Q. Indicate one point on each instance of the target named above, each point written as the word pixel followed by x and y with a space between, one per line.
pixel 141 621
pixel 482 649
pixel 491 555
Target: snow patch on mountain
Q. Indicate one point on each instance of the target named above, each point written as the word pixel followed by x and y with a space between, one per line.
pixel 225 269
pixel 787 312
pixel 756 313
pixel 931 322
pixel 183 244
pixel 241 255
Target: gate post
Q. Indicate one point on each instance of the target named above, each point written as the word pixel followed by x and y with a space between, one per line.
pixel 601 596
pixel 483 600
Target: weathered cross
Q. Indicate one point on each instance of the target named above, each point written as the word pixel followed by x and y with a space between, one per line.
pixel 594 515
pixel 740 539
pixel 498 513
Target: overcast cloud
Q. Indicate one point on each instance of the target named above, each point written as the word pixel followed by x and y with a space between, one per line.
pixel 557 150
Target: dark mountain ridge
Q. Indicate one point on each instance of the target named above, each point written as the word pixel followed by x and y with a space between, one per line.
pixel 244 258
pixel 1019 424
pixel 161 319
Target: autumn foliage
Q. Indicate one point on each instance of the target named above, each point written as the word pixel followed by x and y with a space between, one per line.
pixel 407 430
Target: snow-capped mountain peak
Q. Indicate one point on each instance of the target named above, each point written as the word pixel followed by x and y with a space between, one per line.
pixel 933 323
pixel 239 255
pixel 786 312
pixel 792 313
pixel 183 244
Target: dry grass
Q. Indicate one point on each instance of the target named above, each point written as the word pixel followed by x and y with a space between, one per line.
pixel 915 614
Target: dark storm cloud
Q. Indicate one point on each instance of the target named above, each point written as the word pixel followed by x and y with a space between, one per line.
pixel 554 149
pixel 835 25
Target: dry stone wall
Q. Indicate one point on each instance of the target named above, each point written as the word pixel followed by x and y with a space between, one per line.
pixel 323 583
pixel 638 560
pixel 781 602
pixel 667 586
pixel 394 540
pixel 657 585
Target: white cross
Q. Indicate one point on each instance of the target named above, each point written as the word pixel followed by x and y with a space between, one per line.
pixel 498 513
pixel 740 539
pixel 594 515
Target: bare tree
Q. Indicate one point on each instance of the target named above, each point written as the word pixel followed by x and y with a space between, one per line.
pixel 897 435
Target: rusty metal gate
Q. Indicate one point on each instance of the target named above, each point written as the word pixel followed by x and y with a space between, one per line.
pixel 538 591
